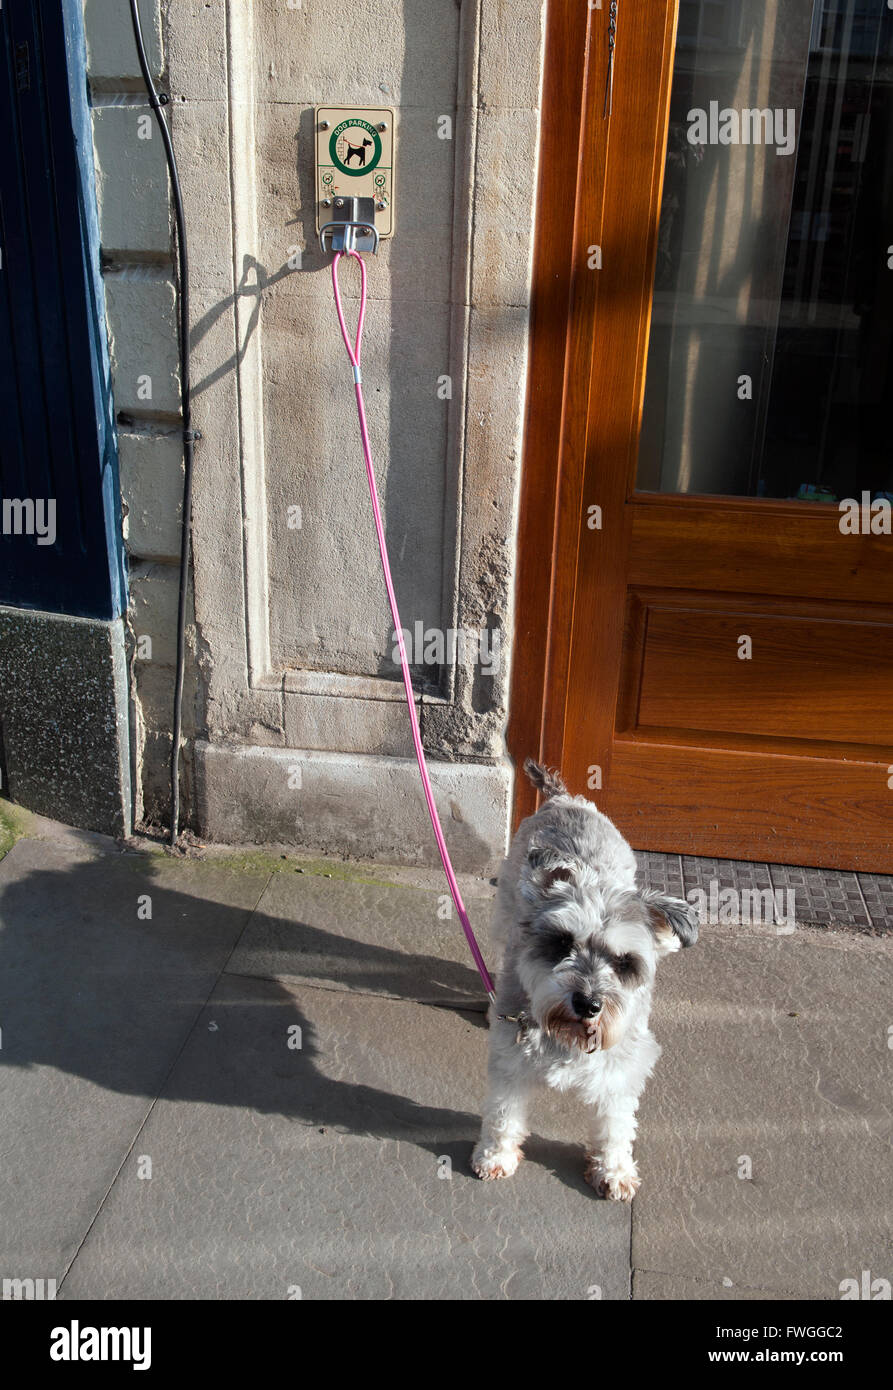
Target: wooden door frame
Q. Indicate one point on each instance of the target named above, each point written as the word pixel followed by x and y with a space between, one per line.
pixel 573 454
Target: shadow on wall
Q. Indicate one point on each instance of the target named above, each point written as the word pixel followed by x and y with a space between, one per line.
pixel 255 278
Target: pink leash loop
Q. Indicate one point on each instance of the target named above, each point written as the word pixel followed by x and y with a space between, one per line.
pixel 353 353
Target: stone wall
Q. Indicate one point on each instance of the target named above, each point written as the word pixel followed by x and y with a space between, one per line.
pixel 294 723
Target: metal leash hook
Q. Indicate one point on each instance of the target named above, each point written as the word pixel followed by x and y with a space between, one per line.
pixel 352 228
pixel 612 40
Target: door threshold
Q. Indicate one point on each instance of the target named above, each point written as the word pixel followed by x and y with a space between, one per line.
pixel 732 892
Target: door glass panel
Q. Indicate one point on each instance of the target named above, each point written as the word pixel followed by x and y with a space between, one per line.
pixel 770 371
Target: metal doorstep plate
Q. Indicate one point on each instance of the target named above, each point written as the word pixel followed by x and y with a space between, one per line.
pixel 834 898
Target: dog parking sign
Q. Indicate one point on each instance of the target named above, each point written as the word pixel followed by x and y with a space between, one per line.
pixel 355 147
pixel 355 159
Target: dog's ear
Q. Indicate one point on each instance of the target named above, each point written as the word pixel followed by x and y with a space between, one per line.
pixel 546 869
pixel 562 873
pixel 673 921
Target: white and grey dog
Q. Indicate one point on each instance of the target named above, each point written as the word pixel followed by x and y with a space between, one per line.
pixel 580 947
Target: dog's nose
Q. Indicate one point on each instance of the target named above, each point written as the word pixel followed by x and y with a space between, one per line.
pixel 585 1007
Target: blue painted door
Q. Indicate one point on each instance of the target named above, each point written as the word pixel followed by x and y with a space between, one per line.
pixel 60 546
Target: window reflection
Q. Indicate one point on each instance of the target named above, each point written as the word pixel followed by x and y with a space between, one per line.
pixel 769 367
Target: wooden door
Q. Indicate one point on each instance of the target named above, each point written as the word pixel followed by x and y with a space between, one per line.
pixel 704 633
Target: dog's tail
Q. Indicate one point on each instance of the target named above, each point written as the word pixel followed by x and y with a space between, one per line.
pixel 544 779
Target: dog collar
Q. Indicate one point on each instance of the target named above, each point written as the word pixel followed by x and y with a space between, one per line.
pixel 523 1020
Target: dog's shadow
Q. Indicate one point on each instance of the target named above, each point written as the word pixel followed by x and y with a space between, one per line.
pixel 562 1159
pixel 558 1157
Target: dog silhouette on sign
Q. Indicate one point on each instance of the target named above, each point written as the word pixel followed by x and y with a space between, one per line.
pixel 359 151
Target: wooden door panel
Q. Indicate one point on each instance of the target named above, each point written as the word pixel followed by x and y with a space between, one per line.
pixel 737 805
pixel 732 668
pixel 755 547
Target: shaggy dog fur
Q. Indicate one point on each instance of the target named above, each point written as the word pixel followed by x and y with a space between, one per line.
pixel 580 946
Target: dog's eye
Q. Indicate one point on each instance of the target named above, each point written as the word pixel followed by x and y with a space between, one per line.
pixel 553 946
pixel 627 967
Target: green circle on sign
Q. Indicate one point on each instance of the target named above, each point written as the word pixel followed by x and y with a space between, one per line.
pixel 371 159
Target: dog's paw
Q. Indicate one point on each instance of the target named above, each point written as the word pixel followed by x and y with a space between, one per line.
pixel 495 1163
pixel 619 1182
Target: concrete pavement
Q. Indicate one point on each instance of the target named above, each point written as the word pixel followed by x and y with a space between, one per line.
pixel 238 1077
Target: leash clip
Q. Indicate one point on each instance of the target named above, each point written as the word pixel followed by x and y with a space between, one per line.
pixel 523 1020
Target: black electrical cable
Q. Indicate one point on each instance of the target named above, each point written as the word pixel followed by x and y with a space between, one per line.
pixel 189 435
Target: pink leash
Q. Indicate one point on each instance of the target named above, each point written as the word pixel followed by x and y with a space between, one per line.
pixel 354 355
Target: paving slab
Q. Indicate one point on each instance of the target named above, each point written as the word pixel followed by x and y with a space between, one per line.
pixel 651 1286
pixel 319 1169
pixel 95 1004
pixel 279 1169
pixel 373 938
pixel 776 1063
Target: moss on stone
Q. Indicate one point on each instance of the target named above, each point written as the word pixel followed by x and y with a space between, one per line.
pixel 262 861
pixel 12 825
